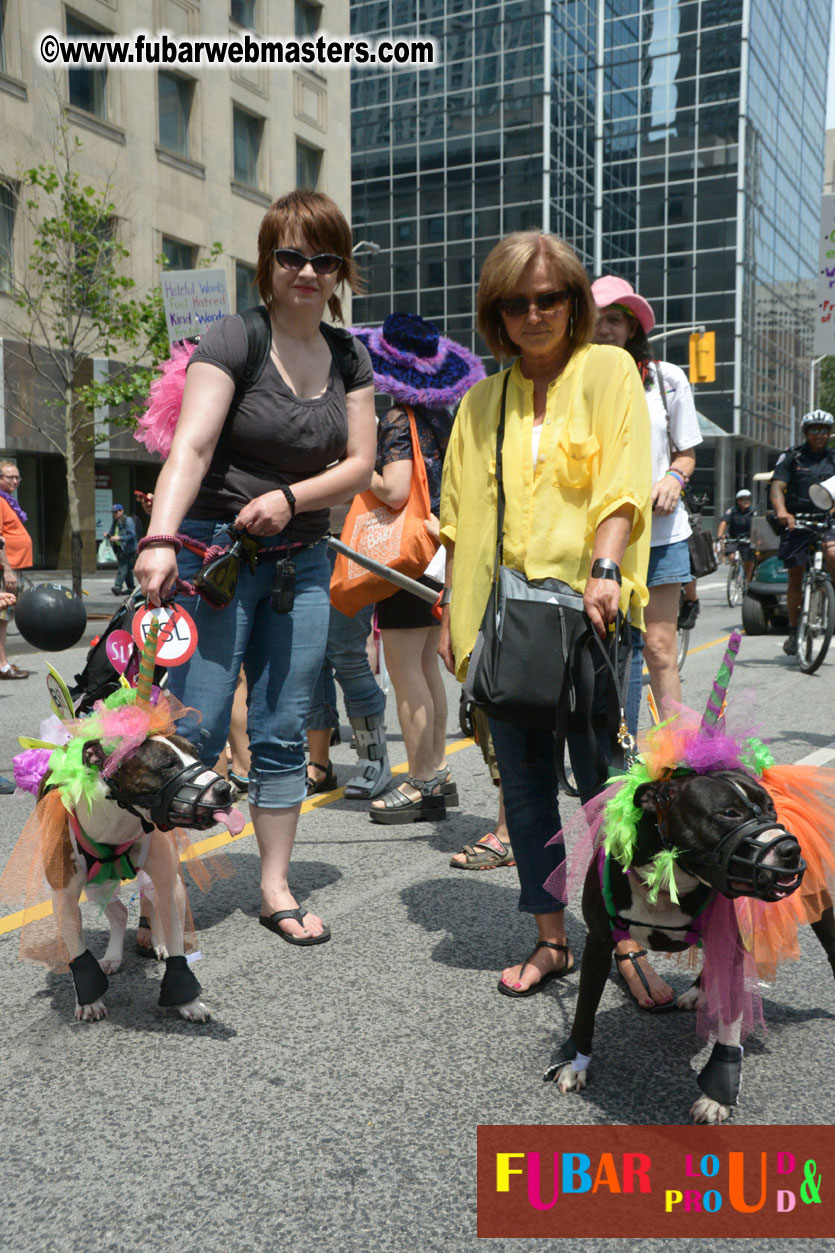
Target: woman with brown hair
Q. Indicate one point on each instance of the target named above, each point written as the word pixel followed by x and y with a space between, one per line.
pixel 576 474
pixel 270 459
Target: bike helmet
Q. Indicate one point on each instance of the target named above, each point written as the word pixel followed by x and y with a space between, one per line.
pixel 50 616
pixel 818 417
pixel 743 491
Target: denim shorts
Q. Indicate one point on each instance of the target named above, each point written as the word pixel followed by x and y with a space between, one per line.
pixel 281 654
pixel 669 563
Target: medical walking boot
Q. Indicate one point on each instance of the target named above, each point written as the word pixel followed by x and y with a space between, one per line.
pixel 374 776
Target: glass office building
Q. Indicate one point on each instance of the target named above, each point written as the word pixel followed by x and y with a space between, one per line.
pixel 678 143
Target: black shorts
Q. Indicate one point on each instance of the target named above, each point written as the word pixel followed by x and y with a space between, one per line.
pixel 794 545
pixel 403 611
pixel 741 546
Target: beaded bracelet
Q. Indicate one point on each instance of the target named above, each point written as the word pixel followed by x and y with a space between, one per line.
pixel 159 539
pixel 679 477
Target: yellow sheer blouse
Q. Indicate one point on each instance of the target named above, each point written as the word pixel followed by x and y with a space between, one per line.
pixel 594 457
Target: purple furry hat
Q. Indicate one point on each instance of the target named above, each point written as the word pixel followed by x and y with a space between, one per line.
pixel 417 365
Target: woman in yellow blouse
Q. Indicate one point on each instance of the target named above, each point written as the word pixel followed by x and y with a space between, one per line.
pixel 577 479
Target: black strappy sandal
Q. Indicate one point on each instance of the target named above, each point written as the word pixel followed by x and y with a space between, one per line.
pixel 655 1008
pixel 507 990
pixel 397 807
pixel 321 785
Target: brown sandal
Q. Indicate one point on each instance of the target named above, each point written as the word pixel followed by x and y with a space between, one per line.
pixel 488 853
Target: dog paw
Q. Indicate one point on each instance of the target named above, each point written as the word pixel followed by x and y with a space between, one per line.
pixel 195 1011
pixel 160 952
pixel 706 1110
pixel 91 1012
pixel 566 1078
pixel 690 998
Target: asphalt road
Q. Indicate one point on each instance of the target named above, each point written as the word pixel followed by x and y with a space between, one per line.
pixel 333 1100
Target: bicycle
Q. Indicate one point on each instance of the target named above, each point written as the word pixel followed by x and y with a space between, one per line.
pixel 735 587
pixel 817 604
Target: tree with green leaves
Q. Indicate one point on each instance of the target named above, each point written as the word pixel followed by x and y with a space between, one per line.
pixel 76 302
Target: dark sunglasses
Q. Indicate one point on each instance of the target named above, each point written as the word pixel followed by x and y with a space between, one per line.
pixel 292 259
pixel 546 302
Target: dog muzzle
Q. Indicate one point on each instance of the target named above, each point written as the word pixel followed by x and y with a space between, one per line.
pixel 743 864
pixel 183 801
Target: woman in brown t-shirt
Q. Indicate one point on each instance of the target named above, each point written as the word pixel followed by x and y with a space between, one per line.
pixel 272 461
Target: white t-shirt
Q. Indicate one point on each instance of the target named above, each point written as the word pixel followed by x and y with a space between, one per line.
pixel 684 433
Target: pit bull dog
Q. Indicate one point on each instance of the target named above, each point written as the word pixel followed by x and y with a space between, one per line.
pixel 729 842
pixel 160 780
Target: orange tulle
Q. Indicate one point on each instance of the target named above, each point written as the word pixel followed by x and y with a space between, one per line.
pixel 42 862
pixel 804 797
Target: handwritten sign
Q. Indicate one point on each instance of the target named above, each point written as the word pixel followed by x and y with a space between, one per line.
pixel 825 303
pixel 193 299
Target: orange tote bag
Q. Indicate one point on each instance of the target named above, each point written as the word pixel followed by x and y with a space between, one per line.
pixel 395 537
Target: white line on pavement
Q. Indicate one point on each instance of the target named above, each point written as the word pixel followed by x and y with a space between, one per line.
pixel 819 757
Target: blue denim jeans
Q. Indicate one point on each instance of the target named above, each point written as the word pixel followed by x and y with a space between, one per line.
pixel 345 656
pixel 528 773
pixel 125 562
pixel 281 655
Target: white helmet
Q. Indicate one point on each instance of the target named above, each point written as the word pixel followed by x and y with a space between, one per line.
pixel 818 417
pixel 743 491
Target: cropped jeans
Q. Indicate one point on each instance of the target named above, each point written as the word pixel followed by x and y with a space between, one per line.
pixel 345 656
pixel 281 655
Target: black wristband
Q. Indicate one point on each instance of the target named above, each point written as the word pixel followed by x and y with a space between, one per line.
pixel 606 568
pixel 291 500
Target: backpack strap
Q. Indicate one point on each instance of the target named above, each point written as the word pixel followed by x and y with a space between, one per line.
pixel 343 350
pixel 259 339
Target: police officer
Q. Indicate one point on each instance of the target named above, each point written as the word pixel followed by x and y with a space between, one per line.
pixel 736 523
pixel 797 468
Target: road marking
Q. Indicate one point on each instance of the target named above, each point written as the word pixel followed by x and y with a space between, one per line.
pixel 711 587
pixel 818 758
pixel 23 916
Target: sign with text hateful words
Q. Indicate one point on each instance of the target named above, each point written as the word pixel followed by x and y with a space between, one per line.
pixel 825 301
pixel 193 299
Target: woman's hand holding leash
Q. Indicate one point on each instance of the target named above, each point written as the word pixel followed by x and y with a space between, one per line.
pixel 600 601
pixel 156 571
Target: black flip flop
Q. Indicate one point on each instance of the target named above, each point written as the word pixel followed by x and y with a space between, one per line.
pixel 271 923
pixel 507 990
pixel 655 1008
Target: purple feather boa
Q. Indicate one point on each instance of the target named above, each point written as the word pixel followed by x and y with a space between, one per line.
pixel 12 503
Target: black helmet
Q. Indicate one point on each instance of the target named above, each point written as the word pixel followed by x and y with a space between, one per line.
pixel 50 617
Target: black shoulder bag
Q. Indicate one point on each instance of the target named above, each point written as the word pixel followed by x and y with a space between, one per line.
pixel 533 662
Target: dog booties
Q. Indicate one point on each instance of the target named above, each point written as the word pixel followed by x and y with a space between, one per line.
pixel 720 1077
pixel 178 985
pixel 90 980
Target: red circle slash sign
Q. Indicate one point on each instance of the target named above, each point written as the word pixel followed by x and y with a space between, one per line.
pixel 177 638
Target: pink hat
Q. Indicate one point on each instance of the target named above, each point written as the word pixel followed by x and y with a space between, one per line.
pixel 610 290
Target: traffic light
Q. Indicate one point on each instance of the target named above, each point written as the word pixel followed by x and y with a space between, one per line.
pixel 703 357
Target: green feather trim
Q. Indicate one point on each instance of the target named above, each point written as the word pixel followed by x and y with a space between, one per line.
pixel 69 773
pixel 756 755
pixel 621 815
pixel 67 768
pixel 661 878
